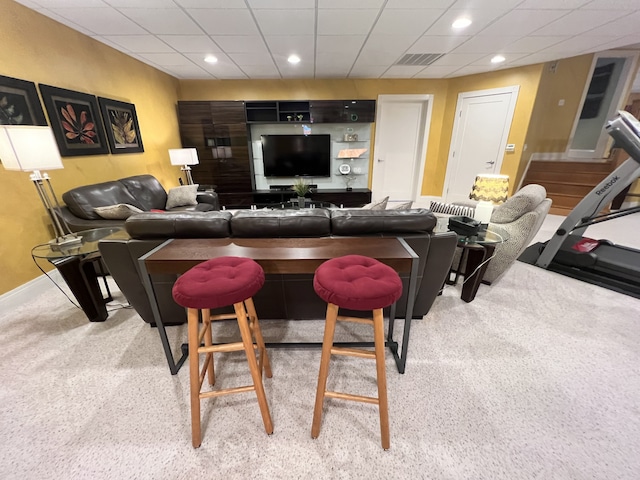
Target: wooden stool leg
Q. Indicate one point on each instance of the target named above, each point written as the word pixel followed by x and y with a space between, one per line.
pixel 245 332
pixel 208 341
pixel 194 375
pixel 327 343
pixel 263 356
pixel 378 333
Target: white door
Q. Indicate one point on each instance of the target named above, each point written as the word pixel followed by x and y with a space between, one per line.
pixel 402 123
pixel 479 138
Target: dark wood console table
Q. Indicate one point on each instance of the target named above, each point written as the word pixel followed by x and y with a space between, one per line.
pixel 282 256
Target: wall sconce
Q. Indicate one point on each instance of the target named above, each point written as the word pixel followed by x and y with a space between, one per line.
pixel 489 190
pixel 32 149
pixel 184 157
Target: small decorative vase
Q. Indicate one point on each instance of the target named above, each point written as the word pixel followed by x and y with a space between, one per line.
pixel 301 201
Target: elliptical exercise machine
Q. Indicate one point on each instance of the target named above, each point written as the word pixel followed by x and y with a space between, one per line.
pixel 598 261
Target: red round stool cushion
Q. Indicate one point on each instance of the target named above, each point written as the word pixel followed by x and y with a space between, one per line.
pixel 218 282
pixel 357 283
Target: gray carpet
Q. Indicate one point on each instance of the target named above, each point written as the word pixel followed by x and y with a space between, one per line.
pixel 539 377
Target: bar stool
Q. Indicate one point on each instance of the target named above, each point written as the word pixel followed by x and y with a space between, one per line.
pixel 357 283
pixel 217 283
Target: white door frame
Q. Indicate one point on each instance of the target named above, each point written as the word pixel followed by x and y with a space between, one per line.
pixel 426 114
pixel 618 101
pixel 514 89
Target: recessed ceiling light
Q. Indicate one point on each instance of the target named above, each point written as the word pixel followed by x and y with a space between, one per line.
pixel 498 59
pixel 293 59
pixel 210 59
pixel 462 22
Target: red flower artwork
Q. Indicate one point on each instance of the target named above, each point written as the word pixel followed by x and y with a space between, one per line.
pixel 76 129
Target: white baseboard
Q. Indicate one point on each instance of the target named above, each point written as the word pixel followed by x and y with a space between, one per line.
pixel 25 293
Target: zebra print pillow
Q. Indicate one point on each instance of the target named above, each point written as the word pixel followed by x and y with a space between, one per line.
pixel 451 209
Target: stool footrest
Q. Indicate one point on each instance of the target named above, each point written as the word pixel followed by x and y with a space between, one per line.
pixel 349 396
pixel 225 347
pixel 353 352
pixel 227 391
pixel 366 321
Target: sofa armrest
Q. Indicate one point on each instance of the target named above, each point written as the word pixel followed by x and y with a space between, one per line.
pixel 209 197
pixel 77 224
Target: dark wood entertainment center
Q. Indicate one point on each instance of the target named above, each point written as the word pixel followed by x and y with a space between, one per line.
pixel 219 130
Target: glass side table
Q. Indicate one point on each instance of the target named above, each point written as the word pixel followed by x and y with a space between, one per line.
pixel 80 265
pixel 477 250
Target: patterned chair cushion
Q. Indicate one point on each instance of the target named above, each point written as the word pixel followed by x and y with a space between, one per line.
pixel 524 200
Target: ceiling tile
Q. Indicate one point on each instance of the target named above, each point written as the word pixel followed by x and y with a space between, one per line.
pixel 442 4
pixel 367 71
pixel 243 59
pixel 612 4
pixel 412 21
pixel 579 44
pixel 480 17
pixel 436 71
pixel 69 23
pixel 532 44
pixel 295 22
pixel 578 21
pixel 191 43
pixel 187 71
pixel 553 4
pixel 345 22
pixel 240 43
pixel 282 4
pixel 103 21
pixel 457 59
pixel 302 45
pixel 137 3
pixel 261 71
pixel 370 57
pixel 161 20
pixel 535 58
pixel 497 4
pixel 328 59
pixel 340 4
pixel 484 44
pixel 390 43
pixel 486 60
pixel 166 59
pixel 436 44
pixel 627 25
pixel 226 4
pixel 402 71
pixel 339 43
pixel 140 43
pixel 522 22
pixel 66 3
pixel 469 70
pixel 225 22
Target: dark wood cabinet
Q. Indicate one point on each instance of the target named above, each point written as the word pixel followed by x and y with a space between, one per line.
pixel 218 131
pixel 343 111
pixel 316 111
pixel 352 198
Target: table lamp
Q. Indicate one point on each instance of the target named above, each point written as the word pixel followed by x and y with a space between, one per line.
pixel 184 157
pixel 29 148
pixel 489 190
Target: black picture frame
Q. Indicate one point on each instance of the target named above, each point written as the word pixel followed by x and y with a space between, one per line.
pixel 20 103
pixel 75 121
pixel 122 127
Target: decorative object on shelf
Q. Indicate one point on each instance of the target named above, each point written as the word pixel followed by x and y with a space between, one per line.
pixel 19 103
pixel 301 187
pixel 489 190
pixel 345 169
pixel 184 157
pixel 299 117
pixel 32 149
pixel 75 120
pixel 350 137
pixel 123 130
pixel 351 152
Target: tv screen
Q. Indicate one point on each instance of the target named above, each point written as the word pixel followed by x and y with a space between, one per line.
pixel 296 155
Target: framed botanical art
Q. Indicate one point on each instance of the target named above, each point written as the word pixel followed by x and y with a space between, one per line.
pixel 19 103
pixel 75 120
pixel 121 124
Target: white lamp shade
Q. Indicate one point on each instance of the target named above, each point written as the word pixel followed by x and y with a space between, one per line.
pixel 183 156
pixel 28 148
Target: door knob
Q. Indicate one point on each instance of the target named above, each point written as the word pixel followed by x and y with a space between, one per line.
pixel 490 163
pixel 380 160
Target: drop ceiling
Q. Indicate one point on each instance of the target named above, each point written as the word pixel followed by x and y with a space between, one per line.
pixel 347 38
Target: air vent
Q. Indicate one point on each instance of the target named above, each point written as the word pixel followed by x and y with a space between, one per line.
pixel 419 59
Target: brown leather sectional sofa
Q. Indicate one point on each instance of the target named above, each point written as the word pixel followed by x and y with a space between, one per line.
pixel 283 296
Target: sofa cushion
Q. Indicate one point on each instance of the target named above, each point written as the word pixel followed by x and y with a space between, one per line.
pixel 178 225
pixel 400 206
pixel 308 222
pixel 363 222
pixel 379 205
pixel 147 190
pixel 524 200
pixel 182 196
pixel 121 211
pixel 83 200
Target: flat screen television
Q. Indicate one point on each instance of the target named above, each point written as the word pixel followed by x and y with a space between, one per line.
pixel 296 155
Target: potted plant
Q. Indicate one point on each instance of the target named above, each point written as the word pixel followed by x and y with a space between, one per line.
pixel 301 187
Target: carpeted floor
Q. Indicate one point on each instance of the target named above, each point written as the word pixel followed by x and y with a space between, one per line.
pixel 538 377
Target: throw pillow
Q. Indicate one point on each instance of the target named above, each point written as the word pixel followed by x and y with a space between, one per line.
pixel 401 206
pixel 120 211
pixel 451 209
pixel 182 196
pixel 380 205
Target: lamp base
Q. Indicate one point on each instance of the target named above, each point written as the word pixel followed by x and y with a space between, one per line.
pixel 483 212
pixel 64 241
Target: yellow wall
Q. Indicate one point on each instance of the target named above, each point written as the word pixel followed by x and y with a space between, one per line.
pixel 37 49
